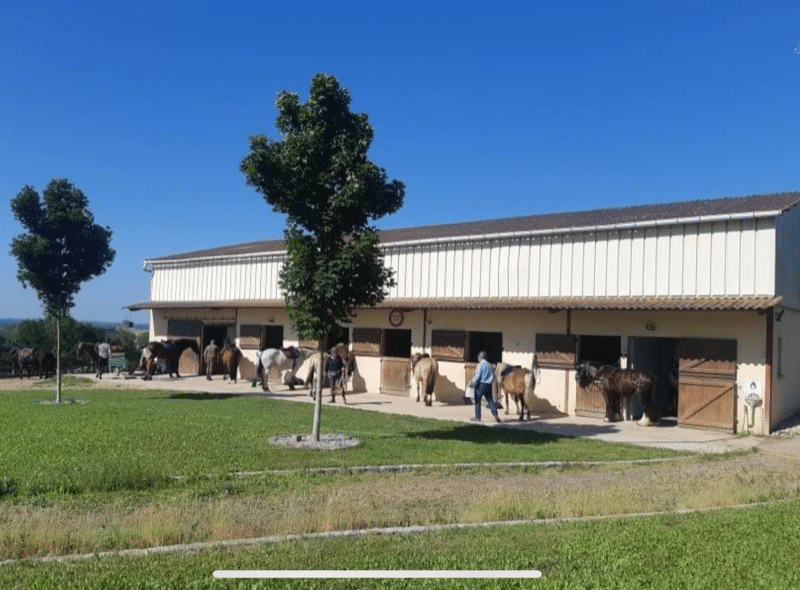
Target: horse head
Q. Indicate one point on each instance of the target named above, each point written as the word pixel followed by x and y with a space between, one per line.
pixel 586 372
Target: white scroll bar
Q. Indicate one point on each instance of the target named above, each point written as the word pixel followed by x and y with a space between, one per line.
pixel 371 574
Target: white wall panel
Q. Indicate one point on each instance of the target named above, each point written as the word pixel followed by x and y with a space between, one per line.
pixel 732 257
pixel 676 247
pixel 703 259
pixel 637 262
pixel 719 258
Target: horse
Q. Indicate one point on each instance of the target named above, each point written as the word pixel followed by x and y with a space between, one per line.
pixel 13 356
pixel 25 360
pixel 88 351
pixel 47 364
pixel 618 384
pixel 518 383
pixel 348 359
pixel 171 351
pixel 285 359
pixel 231 355
pixel 424 370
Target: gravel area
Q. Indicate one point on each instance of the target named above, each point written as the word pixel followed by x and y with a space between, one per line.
pixel 326 442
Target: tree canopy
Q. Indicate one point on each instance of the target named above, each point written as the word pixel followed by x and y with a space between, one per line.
pixel 319 176
pixel 63 246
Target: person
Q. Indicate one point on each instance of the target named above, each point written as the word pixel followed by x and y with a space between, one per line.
pixel 103 354
pixel 209 355
pixel 334 372
pixel 482 382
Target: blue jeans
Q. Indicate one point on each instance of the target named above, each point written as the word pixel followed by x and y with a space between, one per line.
pixel 484 390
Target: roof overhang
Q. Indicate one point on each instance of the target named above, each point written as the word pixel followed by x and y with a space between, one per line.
pixel 751 303
pixel 230 304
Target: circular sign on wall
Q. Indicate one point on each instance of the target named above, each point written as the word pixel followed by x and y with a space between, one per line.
pixel 396 317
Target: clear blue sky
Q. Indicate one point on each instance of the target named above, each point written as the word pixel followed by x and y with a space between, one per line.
pixel 483 110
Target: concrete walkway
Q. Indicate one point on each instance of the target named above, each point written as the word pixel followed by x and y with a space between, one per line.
pixel 667 435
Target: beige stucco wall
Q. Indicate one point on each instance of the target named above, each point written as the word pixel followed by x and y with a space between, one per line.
pixel 556 389
pixel 786 368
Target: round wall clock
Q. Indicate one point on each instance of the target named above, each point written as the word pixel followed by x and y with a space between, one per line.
pixel 396 317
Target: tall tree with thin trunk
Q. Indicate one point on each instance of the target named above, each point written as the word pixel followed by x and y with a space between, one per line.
pixel 63 247
pixel 319 176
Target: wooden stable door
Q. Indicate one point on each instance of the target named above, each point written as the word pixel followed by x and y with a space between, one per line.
pixel 707 384
pixel 395 376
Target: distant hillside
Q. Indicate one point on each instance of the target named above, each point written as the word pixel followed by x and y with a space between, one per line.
pixel 106 325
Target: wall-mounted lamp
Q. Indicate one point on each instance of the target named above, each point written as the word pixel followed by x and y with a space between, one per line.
pixel 650 327
pixel 271 320
pixel 779 314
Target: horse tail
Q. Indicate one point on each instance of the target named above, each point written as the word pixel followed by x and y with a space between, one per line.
pixel 433 369
pixel 259 365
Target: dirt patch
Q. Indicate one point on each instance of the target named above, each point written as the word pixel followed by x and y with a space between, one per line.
pixel 326 442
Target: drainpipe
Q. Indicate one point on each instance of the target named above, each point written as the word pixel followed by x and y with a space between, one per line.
pixel 768 369
pixel 424 329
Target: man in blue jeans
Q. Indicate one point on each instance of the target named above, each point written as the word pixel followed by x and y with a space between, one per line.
pixel 482 382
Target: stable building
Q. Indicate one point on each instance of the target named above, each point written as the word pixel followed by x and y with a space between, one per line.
pixel 705 294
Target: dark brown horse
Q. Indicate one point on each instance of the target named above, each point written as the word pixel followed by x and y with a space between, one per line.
pixel 231 356
pixel 87 350
pixel 618 384
pixel 170 351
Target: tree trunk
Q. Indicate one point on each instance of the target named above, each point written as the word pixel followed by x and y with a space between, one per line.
pixel 318 392
pixel 58 358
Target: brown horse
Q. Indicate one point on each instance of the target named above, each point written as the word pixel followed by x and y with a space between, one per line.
pixel 88 351
pixel 231 356
pixel 519 384
pixel 424 370
pixel 618 384
pixel 170 351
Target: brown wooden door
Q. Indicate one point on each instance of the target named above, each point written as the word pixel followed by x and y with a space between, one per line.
pixel 589 401
pixel 395 376
pixel 707 384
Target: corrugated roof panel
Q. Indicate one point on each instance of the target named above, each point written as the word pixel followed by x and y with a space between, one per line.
pixel 664 212
pixel 550 303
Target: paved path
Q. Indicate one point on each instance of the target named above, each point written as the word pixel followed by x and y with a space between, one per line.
pixel 665 436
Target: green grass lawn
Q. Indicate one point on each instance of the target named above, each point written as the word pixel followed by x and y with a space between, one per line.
pixel 140 439
pixel 733 548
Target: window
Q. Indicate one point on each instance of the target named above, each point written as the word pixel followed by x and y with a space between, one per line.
pixel 489 342
pixel 367 341
pixel 448 345
pixel 556 351
pixel 255 337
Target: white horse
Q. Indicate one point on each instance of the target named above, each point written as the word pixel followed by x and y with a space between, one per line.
pixel 286 359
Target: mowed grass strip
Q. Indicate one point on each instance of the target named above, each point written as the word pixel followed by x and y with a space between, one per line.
pixel 142 439
pixel 302 502
pixel 734 548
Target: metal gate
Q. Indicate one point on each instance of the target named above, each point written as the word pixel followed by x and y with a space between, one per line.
pixel 707 384
pixel 395 376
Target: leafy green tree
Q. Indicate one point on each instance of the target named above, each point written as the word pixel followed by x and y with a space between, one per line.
pixel 62 248
pixel 319 176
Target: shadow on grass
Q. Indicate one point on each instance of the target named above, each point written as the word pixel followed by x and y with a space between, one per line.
pixel 514 433
pixel 202 397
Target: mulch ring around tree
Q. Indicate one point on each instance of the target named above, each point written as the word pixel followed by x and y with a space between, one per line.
pixel 326 442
